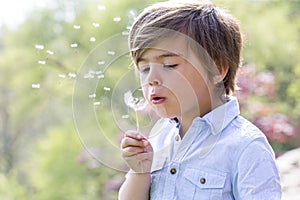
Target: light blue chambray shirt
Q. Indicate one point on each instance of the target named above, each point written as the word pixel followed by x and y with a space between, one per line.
pixel 222 156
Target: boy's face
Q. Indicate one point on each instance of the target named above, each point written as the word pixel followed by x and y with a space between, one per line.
pixel 173 80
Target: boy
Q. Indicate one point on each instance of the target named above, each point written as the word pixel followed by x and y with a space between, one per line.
pixel 187 55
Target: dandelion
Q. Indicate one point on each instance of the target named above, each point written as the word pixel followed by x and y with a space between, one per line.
pixel 136 104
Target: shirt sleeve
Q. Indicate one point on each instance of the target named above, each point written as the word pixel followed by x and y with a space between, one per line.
pixel 256 175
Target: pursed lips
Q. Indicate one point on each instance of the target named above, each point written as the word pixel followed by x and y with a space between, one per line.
pixel 156 99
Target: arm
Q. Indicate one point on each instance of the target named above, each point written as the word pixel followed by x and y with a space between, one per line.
pixel 137 152
pixel 256 174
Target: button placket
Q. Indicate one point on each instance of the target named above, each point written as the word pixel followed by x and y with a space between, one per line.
pixel 171 178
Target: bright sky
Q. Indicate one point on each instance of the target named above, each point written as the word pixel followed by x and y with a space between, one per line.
pixel 12 12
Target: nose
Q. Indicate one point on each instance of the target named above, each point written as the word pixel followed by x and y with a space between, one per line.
pixel 154 78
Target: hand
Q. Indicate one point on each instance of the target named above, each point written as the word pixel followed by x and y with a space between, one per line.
pixel 137 152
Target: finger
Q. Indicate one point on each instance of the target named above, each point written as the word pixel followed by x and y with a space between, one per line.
pixel 128 141
pixel 134 135
pixel 147 146
pixel 131 151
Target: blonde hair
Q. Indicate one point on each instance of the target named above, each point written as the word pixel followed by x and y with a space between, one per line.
pixel 213 29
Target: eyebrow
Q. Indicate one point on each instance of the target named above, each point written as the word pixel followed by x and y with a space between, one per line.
pixel 164 55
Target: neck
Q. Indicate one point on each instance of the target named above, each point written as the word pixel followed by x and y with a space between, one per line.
pixel 187 119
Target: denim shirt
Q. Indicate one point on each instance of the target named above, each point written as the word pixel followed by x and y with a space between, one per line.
pixel 222 156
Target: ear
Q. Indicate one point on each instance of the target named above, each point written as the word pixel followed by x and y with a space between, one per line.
pixel 221 75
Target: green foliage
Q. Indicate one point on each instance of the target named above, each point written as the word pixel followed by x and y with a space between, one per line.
pixel 10 188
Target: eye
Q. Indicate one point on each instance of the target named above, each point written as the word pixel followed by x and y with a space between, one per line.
pixel 170 66
pixel 144 68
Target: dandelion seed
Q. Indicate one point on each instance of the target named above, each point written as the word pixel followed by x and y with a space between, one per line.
pixel 136 104
pixel 98 72
pixel 61 75
pixel 89 76
pixel 107 89
pixel 50 52
pixel 76 27
pixel 72 75
pixel 96 25
pixel 128 27
pixel 111 53
pixel 73 45
pixel 101 62
pixel 92 72
pixel 36 86
pixel 97 103
pixel 101 7
pixel 42 62
pixel 92 39
pixel 125 116
pixel 117 19
pixel 92 96
pixel 100 76
pixel 39 46
pixel 125 33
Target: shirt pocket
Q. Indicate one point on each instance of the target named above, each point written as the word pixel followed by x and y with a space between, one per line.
pixel 204 185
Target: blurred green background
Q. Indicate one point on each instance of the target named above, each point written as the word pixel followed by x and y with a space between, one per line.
pixel 42 155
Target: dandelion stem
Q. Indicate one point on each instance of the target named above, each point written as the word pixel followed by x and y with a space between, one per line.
pixel 137 122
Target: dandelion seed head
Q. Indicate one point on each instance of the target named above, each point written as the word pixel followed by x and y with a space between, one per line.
pixel 136 103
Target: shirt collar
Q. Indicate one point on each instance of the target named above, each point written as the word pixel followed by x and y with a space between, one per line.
pixel 221 116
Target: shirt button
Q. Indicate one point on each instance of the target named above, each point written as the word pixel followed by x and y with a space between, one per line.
pixel 177 137
pixel 173 171
pixel 202 180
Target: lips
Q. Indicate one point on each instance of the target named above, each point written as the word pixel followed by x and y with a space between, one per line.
pixel 157 99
